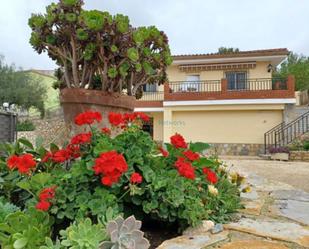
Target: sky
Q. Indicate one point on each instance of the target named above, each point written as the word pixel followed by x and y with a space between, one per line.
pixel 193 26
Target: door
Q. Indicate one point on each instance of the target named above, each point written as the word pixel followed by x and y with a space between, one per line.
pixel 236 80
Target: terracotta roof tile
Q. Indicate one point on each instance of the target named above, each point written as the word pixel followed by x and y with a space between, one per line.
pixel 260 52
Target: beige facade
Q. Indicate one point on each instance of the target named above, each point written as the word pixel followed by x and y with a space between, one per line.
pixel 212 113
pixel 217 124
pixel 260 71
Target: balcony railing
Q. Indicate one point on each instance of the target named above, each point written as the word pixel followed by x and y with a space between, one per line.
pixel 152 96
pixel 195 86
pixel 261 88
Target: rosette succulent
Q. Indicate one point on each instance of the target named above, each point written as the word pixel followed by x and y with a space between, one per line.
pixel 125 234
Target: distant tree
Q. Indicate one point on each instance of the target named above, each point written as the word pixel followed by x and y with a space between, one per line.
pixel 19 88
pixel 297 65
pixel 225 50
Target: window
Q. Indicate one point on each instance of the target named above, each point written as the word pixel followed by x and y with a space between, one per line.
pixel 236 80
pixel 191 84
pixel 150 87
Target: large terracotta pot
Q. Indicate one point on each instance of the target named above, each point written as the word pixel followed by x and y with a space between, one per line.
pixel 76 100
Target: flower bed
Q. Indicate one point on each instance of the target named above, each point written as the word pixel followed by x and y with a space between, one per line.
pixel 67 197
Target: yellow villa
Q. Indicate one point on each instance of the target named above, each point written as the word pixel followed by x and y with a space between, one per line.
pixel 227 100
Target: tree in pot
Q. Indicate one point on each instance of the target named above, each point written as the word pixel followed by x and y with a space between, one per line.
pixel 103 60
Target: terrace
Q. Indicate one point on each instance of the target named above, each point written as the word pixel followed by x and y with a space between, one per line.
pixel 271 88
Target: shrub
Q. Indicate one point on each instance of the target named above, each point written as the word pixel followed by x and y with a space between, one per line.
pixel 126 173
pixel 273 150
pixel 306 145
pixel 26 125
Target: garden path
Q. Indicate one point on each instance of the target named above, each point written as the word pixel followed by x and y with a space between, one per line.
pixel 294 173
pixel 276 214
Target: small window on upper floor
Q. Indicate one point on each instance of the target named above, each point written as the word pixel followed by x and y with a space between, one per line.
pixel 236 80
pixel 150 88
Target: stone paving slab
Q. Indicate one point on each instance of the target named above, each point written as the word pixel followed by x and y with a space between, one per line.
pixel 293 194
pixel 295 210
pixel 272 228
pixel 252 195
pixel 197 241
pixel 253 244
pixel 261 184
pixel 252 207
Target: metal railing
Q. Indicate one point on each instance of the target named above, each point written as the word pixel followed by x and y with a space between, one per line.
pixel 283 134
pixel 195 86
pixel 152 96
pixel 259 84
pixel 218 87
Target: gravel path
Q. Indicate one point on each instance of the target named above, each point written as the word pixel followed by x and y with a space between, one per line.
pixel 295 174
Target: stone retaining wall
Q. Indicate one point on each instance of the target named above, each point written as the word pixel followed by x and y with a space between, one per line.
pixel 236 149
pixel 299 156
pixel 50 130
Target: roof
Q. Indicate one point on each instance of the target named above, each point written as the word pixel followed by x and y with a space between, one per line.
pixel 249 53
pixel 47 73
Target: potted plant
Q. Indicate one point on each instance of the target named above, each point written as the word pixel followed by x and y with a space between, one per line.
pixel 103 60
pixel 279 153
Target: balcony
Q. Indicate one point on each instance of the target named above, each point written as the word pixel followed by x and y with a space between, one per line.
pixel 220 90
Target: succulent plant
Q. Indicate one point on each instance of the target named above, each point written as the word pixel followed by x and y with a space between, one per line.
pixel 125 234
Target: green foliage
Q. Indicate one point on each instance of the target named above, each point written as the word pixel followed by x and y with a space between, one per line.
pixel 225 50
pixel 298 66
pixel 93 19
pixel 83 235
pixel 163 194
pixel 25 229
pixel 6 208
pixel 306 145
pixel 19 88
pixel 25 125
pixel 133 54
pixel 70 2
pixel 105 48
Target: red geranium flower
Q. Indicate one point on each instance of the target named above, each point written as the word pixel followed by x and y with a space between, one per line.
pixel 88 117
pixel 115 118
pixel 129 117
pixel 48 156
pixel 106 130
pixel 210 175
pixel 142 116
pixel 73 150
pixel 61 156
pixel 47 193
pixel 184 168
pixel 136 178
pixel 192 156
pixel 111 165
pixel 164 152
pixel 178 141
pixel 45 196
pixel 23 163
pixel 43 205
pixel 13 161
pixel 81 138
